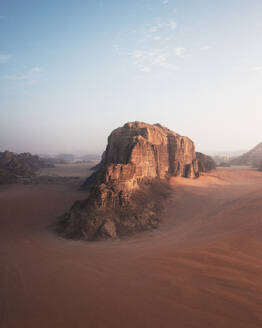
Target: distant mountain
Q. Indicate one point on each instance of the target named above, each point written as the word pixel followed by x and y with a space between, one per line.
pixel 90 157
pixel 14 166
pixel 229 153
pixel 65 157
pixel 252 157
pixel 221 160
pixel 69 158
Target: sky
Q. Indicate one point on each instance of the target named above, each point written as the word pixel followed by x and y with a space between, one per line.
pixel 71 71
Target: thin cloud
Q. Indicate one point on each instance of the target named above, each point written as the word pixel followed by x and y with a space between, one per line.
pixel 36 69
pixel 180 52
pixel 169 66
pixel 155 28
pixel 20 79
pixel 256 69
pixel 144 54
pixel 4 58
pixel 161 58
pixel 154 46
pixel 14 77
pixel 205 48
pixel 27 77
pixel 146 60
pixel 165 2
pixel 171 25
pixel 146 69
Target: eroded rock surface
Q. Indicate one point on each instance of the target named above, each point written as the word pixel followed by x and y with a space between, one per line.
pixel 138 157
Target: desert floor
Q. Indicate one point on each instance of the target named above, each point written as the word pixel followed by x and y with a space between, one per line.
pixel 81 170
pixel 201 268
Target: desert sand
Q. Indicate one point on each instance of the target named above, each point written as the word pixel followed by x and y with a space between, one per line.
pixel 81 170
pixel 201 268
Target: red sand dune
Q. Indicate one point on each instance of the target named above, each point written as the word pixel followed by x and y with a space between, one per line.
pixel 202 268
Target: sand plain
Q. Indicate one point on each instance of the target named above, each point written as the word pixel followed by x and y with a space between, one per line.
pixel 201 268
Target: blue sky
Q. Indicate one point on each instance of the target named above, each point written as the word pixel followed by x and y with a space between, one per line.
pixel 72 71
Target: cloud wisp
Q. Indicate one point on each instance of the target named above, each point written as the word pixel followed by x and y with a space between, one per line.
pixel 155 45
pixel 4 58
pixel 257 69
pixel 36 69
pixel 162 26
pixel 155 51
pixel 205 48
pixel 28 77
pixel 16 77
pixel 180 52
pixel 146 60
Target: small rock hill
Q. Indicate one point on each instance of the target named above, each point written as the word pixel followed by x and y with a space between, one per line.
pixel 129 183
pixel 252 157
pixel 14 166
pixel 205 162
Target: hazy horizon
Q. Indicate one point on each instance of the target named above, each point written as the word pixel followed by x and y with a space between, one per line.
pixel 98 152
pixel 71 72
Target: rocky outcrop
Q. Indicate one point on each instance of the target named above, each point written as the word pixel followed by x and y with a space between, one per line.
pixel 257 164
pixel 205 162
pixel 252 157
pixel 14 166
pixel 138 156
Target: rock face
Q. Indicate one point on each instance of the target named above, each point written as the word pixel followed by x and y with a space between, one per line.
pixel 138 156
pixel 252 157
pixel 205 162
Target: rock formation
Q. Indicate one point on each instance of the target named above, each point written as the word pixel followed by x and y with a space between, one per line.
pixel 252 157
pixel 205 162
pixel 128 184
pixel 259 165
pixel 14 166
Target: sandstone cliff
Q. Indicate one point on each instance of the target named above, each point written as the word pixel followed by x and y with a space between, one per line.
pixel 138 157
